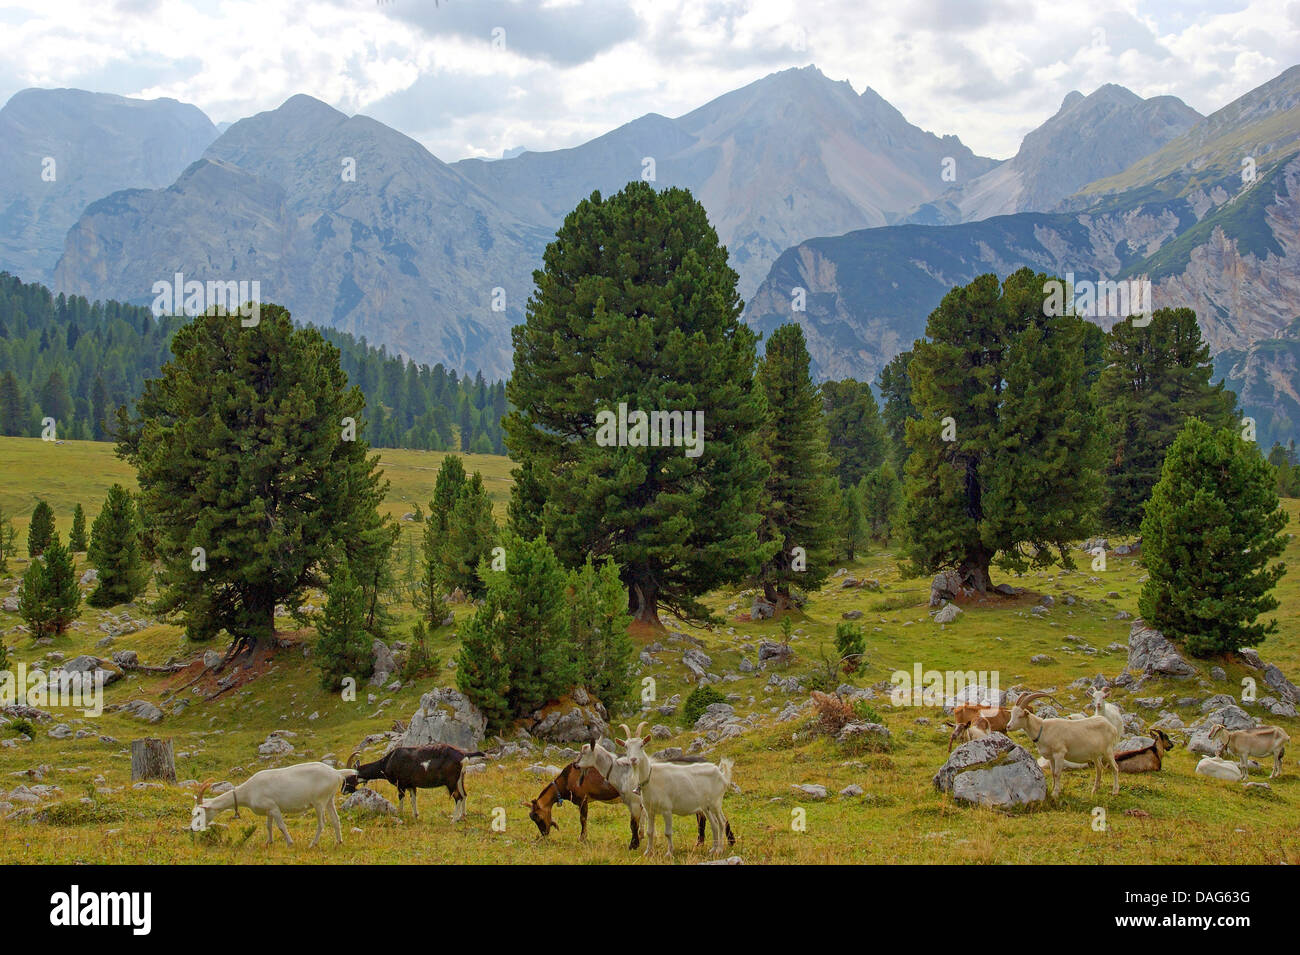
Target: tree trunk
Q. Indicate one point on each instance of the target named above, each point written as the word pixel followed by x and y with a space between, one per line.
pixel 974 571
pixel 643 602
pixel 152 759
pixel 778 597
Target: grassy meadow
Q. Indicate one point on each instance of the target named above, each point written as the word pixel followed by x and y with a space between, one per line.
pixel 96 815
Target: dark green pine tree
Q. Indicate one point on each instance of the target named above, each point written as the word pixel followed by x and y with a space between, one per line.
pixel 77 538
pixel 451 478
pixel 115 551
pixel 99 410
pixel 13 409
pixel 854 430
pixel 850 521
pixel 481 671
pixel 1211 540
pixel 56 400
pixel 527 499
pixel 468 540
pixel 343 645
pixel 62 593
pixel 896 392
pixel 882 495
pixel 243 448
pixel 1005 451
pixel 8 539
pixel 636 305
pixel 40 532
pixel 800 496
pixel 34 600
pixel 596 606
pixel 1157 377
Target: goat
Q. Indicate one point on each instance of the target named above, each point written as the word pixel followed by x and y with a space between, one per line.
pixel 1217 767
pixel 273 792
pixel 969 731
pixel 411 768
pixel 995 716
pixel 1090 740
pixel 1103 707
pixel 1148 759
pixel 1261 741
pixel 669 789
pixel 582 786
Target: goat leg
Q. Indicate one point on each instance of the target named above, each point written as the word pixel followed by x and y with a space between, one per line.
pixel 582 813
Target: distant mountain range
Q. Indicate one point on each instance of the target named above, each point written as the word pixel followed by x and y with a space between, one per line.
pixel 1212 218
pixel 809 184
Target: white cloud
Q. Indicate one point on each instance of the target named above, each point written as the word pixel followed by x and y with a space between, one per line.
pixel 571 69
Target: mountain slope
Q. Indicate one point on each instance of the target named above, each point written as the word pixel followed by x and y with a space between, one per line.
pixel 790 156
pixel 407 253
pixel 1228 249
pixel 99 143
pixel 1088 138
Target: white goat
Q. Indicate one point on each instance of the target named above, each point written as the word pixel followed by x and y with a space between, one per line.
pixel 1217 767
pixel 669 789
pixel 274 792
pixel 1261 741
pixel 1090 740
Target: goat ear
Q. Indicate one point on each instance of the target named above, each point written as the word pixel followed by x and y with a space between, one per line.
pixel 526 804
pixel 620 742
pixel 646 739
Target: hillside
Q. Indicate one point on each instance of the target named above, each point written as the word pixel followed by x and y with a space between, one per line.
pixel 898 817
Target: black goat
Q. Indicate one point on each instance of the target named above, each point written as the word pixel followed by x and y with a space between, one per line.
pixel 416 767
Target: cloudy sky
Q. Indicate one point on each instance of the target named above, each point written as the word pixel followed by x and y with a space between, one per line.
pixel 475 77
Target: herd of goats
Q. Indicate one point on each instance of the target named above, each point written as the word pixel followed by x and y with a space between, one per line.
pixel 692 786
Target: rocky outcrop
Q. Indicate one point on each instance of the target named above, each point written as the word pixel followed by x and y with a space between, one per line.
pixel 446 716
pixel 992 771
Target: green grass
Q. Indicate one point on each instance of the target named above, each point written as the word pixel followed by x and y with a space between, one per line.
pixel 900 819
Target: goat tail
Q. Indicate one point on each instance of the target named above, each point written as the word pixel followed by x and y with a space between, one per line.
pixel 725 765
pixel 473 754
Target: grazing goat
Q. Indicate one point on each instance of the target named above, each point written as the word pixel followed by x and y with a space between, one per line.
pixel 1261 741
pixel 1090 740
pixel 969 731
pixel 274 792
pixel 1217 767
pixel 669 789
pixel 1148 759
pixel 411 768
pixel 582 786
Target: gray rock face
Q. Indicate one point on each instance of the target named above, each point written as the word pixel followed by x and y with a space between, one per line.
pixel 275 745
pixel 446 716
pixel 771 650
pixel 947 614
pixel 992 771
pixel 144 710
pixel 1280 685
pixel 101 143
pixel 946 585
pixel 384 663
pixel 570 724
pixel 369 802
pixel 858 732
pixel 1150 652
pixel 760 609
pixel 697 661
pixel 1231 716
pixel 715 716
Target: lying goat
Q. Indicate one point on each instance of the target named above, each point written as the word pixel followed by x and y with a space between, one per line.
pixel 1258 742
pixel 274 792
pixel 1148 759
pixel 583 786
pixel 411 768
pixel 1217 767
pixel 669 789
pixel 1091 740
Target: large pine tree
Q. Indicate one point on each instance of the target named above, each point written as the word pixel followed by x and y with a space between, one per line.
pixel 115 551
pixel 470 535
pixel 1211 540
pixel 800 496
pixel 245 447
pixel 343 647
pixel 1157 377
pixel 636 305
pixel 62 592
pixel 77 537
pixel 1005 451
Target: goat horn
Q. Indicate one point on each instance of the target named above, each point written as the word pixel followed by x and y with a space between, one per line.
pixel 640 726
pixel 627 733
pixel 198 797
pixel 356 755
pixel 1023 701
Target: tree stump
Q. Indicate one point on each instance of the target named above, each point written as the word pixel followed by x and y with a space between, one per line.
pixel 152 759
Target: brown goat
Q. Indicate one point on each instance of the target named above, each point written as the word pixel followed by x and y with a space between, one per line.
pixel 582 787
pixel 1148 758
pixel 997 716
pixel 969 731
